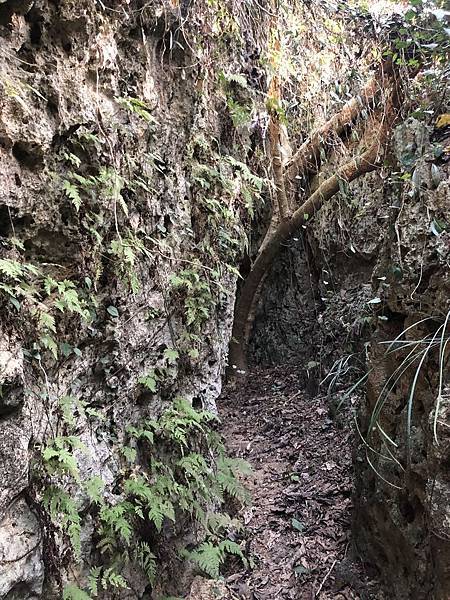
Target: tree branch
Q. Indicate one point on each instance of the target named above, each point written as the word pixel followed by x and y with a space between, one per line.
pixel 307 156
pixel 245 305
pixel 277 167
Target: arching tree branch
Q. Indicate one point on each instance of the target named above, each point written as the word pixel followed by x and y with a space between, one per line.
pixel 356 167
pixel 307 156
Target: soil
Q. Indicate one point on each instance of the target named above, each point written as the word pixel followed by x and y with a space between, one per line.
pixel 298 528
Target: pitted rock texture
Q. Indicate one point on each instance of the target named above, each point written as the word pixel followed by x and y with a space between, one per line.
pixel 68 72
pixel 406 529
pixel 21 563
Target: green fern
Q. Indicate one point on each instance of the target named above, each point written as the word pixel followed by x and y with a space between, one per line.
pixel 149 381
pixel 58 456
pixel 237 78
pixel 146 560
pixel 116 521
pixel 209 558
pixel 230 547
pixel 227 477
pixel 73 193
pixel 137 107
pixel 217 523
pixel 64 512
pixel 93 579
pixel 94 488
pixel 113 579
pixel 73 592
pixel 188 479
pixel 240 113
pixel 16 270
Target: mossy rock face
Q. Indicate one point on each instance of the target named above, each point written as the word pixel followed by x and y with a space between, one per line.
pixel 99 137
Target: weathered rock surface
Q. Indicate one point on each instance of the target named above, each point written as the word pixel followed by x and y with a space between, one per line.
pixel 380 257
pixel 21 563
pixel 128 93
pixel 403 518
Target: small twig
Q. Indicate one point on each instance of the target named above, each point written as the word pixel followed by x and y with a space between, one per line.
pixel 325 578
pixel 6 561
pixel 184 260
pixel 265 9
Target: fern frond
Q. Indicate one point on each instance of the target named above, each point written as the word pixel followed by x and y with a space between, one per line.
pixel 209 558
pixel 73 193
pixel 146 560
pixel 229 547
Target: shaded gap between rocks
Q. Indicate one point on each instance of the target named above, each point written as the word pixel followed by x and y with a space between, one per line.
pixel 298 530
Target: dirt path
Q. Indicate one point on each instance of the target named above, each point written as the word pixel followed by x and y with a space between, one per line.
pixel 298 529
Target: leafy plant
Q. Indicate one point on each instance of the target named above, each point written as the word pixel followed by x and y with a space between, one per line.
pixel 198 299
pixel 41 298
pixel 73 193
pixel 234 84
pixel 210 557
pixel 58 455
pixel 188 473
pixel 418 351
pixel 64 511
pixel 138 107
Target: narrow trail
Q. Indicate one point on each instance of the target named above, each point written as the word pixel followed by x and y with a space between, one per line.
pixel 298 528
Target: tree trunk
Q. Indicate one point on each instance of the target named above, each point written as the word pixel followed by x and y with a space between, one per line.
pixel 245 305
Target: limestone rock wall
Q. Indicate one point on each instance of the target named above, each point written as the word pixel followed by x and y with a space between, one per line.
pixel 109 111
pixel 402 518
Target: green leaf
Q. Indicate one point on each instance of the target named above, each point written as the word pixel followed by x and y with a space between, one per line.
pixel 146 560
pixel 129 453
pixel 14 302
pixel 296 524
pixel 171 355
pixel 93 576
pixel 112 310
pixel 46 321
pixel 11 268
pixel 49 343
pixel 94 488
pixel 149 382
pixel 301 570
pixel 73 193
pixel 72 158
pixel 66 349
pixel 110 577
pixel 66 403
pixel 193 353
pixel 209 558
pixel 156 515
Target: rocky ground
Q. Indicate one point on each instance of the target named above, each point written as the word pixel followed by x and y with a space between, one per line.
pixel 298 527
